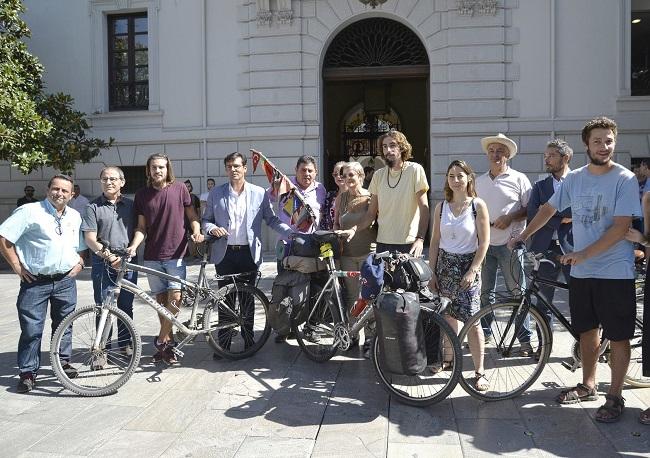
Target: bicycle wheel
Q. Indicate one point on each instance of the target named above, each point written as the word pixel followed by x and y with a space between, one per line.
pixel 425 388
pixel 634 375
pixel 315 334
pixel 236 321
pixel 100 371
pixel 510 366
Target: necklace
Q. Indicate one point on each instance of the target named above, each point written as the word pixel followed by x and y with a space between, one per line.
pixel 398 180
pixel 462 209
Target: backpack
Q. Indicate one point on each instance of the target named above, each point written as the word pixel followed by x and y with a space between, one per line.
pixel 400 333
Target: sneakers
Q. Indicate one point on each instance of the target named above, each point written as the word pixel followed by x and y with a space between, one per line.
pixel 70 371
pixel 283 338
pixel 26 383
pixel 526 349
pixel 489 340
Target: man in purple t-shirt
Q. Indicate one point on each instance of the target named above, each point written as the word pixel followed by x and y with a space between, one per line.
pixel 161 208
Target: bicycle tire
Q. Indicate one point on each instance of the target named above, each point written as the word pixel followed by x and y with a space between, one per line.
pixel 95 378
pixel 509 372
pixel 240 341
pixel 425 388
pixel 634 375
pixel 316 336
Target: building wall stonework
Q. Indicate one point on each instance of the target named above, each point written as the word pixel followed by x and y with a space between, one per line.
pixel 242 74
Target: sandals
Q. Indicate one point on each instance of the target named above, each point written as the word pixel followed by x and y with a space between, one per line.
pixel 612 410
pixel 644 418
pixel 573 396
pixel 481 382
pixel 444 366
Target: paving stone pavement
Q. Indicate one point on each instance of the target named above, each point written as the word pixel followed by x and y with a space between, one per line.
pixel 279 403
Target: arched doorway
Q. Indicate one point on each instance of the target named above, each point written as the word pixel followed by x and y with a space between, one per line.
pixel 375 77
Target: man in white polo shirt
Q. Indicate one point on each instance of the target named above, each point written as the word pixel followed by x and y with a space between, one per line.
pixel 505 192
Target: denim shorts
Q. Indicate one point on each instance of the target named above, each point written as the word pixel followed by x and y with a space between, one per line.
pixel 175 267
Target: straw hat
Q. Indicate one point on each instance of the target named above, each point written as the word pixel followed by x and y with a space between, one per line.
pixel 502 140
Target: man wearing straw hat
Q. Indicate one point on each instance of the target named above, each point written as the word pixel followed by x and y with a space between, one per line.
pixel 505 192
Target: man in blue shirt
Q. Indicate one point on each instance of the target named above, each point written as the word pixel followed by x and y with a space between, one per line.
pixel 41 242
pixel 603 197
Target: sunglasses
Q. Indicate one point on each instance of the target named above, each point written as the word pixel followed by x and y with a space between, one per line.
pixel 58 229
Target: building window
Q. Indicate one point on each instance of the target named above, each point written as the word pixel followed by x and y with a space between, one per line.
pixel 135 177
pixel 640 56
pixel 128 62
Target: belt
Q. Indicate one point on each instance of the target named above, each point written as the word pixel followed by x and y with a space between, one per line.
pixel 237 247
pixel 53 277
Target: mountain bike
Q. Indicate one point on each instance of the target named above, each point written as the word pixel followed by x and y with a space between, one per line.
pixel 511 366
pixel 324 326
pixel 234 322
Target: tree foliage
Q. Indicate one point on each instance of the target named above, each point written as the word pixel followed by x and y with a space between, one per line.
pixel 36 129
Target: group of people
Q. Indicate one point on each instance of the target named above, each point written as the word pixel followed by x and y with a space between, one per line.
pixel 584 215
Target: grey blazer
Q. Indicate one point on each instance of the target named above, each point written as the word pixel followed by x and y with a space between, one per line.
pixel 258 208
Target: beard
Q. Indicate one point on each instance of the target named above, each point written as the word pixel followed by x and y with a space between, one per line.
pixel 598 161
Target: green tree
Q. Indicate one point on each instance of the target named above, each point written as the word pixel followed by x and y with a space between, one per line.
pixel 36 129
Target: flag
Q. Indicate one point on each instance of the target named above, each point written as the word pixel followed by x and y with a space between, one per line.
pixel 290 200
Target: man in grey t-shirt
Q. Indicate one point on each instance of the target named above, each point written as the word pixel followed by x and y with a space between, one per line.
pixel 603 197
pixel 108 224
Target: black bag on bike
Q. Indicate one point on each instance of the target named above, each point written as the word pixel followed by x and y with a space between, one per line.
pixel 402 346
pixel 306 245
pixel 288 295
pixel 410 274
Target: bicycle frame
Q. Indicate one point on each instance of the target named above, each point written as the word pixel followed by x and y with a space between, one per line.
pixel 102 330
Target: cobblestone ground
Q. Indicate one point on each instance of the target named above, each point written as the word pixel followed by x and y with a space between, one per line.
pixel 278 403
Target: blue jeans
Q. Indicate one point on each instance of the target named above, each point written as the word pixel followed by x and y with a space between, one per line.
pixel 512 269
pixel 32 312
pixel 103 276
pixel 552 273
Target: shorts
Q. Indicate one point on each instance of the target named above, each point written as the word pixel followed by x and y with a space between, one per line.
pixel 175 267
pixel 608 303
pixel 450 270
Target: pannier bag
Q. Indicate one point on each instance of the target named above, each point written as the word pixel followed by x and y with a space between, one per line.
pixel 288 295
pixel 402 346
pixel 306 265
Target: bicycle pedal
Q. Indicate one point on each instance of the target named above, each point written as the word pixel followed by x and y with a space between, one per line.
pixel 178 352
pixel 574 366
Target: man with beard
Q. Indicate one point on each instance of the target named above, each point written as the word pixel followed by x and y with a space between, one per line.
pixel 161 208
pixel 603 197
pixel 399 199
pixel 556 234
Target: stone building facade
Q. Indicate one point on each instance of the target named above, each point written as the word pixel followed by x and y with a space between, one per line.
pixel 272 75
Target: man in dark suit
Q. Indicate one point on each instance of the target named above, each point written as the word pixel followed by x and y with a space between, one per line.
pixel 556 235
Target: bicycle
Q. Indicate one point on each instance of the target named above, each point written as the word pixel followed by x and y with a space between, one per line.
pixel 324 326
pixel 234 323
pixel 510 367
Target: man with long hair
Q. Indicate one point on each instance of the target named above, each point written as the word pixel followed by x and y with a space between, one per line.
pixel 399 199
pixel 161 208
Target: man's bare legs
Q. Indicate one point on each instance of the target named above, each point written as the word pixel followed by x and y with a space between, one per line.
pixel 171 300
pixel 589 345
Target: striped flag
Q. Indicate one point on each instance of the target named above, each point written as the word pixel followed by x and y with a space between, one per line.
pixel 291 200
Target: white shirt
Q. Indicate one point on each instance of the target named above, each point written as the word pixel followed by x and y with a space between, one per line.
pixel 458 233
pixel 237 214
pixel 204 196
pixel 507 193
